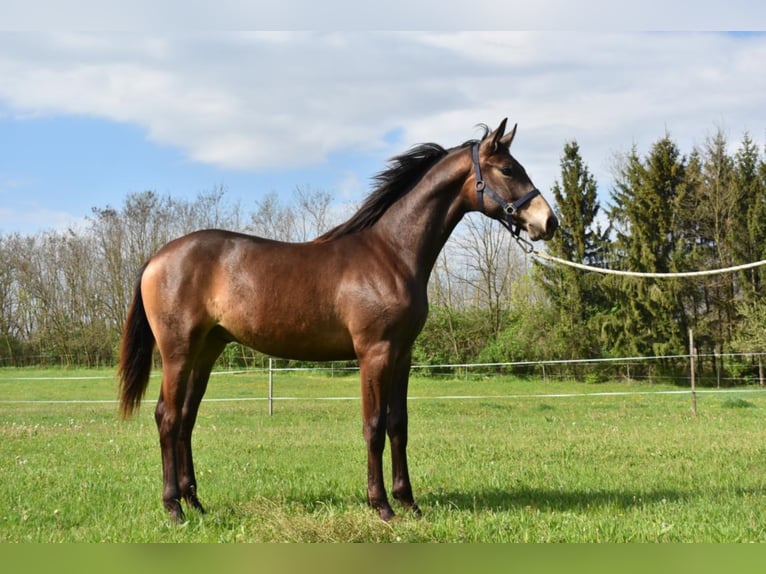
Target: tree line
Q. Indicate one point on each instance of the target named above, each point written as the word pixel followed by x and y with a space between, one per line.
pixel 64 293
pixel 668 212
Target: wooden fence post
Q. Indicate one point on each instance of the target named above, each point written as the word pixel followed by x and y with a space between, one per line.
pixel 691 361
pixel 271 386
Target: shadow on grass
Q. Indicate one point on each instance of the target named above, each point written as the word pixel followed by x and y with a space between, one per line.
pixel 544 499
pixel 503 500
pixel 551 499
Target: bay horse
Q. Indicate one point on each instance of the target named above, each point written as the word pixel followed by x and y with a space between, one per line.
pixel 356 292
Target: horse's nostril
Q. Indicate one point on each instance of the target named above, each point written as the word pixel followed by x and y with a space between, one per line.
pixel 551 225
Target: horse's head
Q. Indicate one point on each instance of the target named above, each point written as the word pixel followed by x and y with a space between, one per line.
pixel 501 188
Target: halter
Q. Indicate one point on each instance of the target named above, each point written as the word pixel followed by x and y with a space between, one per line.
pixel 509 209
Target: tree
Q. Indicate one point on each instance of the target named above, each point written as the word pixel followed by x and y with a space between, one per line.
pixel 490 266
pixel 719 221
pixel 647 317
pixel 750 181
pixel 313 212
pixel 9 329
pixel 576 297
pixel 446 303
pixel 718 211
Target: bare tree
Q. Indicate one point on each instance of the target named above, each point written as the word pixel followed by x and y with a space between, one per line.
pixel 312 217
pixel 491 265
pixel 272 219
pixel 305 215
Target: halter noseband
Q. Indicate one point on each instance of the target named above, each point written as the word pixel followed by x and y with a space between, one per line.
pixel 509 209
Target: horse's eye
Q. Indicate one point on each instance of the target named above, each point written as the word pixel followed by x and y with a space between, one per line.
pixel 507 171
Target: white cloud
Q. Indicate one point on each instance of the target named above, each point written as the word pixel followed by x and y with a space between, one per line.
pixel 590 15
pixel 34 219
pixel 272 100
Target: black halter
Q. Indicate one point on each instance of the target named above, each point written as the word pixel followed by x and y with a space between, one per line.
pixel 509 209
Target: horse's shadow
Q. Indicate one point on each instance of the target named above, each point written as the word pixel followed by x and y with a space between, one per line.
pixel 549 499
pixel 546 499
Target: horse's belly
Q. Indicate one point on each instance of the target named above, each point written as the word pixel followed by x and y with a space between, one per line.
pixel 296 340
pixel 301 350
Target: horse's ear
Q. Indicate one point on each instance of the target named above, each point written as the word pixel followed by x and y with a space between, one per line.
pixel 493 140
pixel 508 138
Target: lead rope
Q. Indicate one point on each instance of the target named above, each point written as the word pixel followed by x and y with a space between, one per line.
pixel 529 248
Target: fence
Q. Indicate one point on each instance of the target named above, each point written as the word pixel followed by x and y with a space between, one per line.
pixel 728 369
pixel 712 370
pixel 717 370
pixel 732 369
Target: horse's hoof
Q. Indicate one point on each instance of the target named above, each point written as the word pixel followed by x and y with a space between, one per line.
pixel 386 513
pixel 175 511
pixel 194 503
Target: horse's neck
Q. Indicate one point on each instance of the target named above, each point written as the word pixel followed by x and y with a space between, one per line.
pixel 419 224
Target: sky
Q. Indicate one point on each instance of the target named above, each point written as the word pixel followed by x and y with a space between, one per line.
pixel 88 117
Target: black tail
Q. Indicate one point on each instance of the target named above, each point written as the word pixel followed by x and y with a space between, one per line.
pixel 135 354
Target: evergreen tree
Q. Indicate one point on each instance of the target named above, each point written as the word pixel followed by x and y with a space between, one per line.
pixel 575 296
pixel 707 218
pixel 750 183
pixel 692 251
pixel 647 317
pixel 725 203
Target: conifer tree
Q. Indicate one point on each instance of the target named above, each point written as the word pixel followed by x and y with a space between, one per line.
pixel 576 296
pixel 750 246
pixel 750 181
pixel 719 219
pixel 647 317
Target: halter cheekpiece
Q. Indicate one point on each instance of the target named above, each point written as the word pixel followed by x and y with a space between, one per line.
pixel 509 209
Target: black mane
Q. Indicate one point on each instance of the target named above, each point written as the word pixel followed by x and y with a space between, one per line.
pixel 403 172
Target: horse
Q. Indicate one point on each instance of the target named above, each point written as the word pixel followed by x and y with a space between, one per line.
pixel 357 292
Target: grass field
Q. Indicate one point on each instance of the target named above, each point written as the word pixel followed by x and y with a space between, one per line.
pixel 518 461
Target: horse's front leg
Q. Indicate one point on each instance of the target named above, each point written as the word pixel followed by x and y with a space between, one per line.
pixel 375 367
pixel 397 433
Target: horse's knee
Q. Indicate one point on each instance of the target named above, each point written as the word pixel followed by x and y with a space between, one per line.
pixel 375 432
pixel 397 425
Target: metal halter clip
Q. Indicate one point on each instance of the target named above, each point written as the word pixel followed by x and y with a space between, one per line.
pixel 525 244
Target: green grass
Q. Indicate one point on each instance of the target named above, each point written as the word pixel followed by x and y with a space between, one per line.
pixel 503 466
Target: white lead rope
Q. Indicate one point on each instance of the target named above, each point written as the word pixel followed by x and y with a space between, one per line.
pixel 542 255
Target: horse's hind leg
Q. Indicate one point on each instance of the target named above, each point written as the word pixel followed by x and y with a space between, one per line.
pixel 184 380
pixel 195 389
pixel 168 416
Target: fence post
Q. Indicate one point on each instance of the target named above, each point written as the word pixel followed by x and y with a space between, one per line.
pixel 691 361
pixel 718 365
pixel 271 386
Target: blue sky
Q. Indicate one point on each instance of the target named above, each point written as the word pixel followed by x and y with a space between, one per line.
pixel 87 118
pixel 55 169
